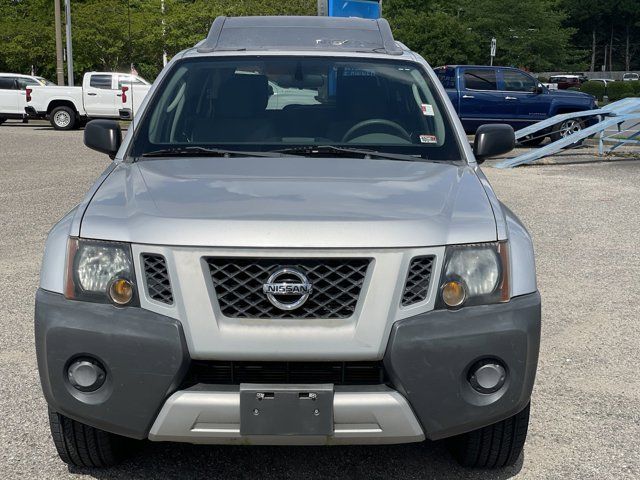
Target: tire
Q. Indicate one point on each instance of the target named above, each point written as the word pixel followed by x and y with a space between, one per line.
pixel 563 129
pixel 84 446
pixel 531 142
pixel 63 118
pixel 495 446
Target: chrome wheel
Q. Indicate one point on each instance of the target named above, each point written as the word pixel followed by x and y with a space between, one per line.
pixel 62 119
pixel 569 127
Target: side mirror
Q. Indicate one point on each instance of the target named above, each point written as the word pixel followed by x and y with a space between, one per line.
pixel 538 89
pixel 493 140
pixel 103 136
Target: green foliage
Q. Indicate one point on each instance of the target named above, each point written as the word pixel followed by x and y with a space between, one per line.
pixel 101 38
pixel 635 88
pixel 27 36
pixel 542 79
pixel 530 34
pixel 614 22
pixel 618 90
pixel 593 88
pixel 188 22
pixel 435 34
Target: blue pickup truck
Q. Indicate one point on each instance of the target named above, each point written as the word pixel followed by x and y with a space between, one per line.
pixel 482 94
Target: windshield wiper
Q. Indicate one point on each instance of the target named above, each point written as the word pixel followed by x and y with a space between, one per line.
pixel 195 151
pixel 312 150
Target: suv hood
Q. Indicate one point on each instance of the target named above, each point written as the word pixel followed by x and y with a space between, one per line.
pixel 290 202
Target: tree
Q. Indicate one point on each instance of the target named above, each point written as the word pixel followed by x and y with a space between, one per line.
pixel 435 33
pixel 101 38
pixel 536 34
pixel 529 33
pixel 189 21
pixel 610 28
pixel 27 37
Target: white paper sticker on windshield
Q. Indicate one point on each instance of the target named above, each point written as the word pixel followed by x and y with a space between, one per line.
pixel 428 139
pixel 427 110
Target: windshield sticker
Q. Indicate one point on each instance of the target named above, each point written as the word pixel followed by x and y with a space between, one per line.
pixel 427 109
pixel 428 139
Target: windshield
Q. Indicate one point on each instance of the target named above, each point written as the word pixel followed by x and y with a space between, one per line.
pixel 278 103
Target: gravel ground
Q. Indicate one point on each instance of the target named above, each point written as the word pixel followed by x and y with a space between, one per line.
pixel 585 421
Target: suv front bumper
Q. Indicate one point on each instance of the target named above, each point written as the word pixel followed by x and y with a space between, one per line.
pixel 146 358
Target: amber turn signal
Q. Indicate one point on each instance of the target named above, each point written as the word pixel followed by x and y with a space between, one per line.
pixel 121 291
pixel 453 293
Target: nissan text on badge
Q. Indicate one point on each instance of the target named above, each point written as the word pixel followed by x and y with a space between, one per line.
pixel 330 266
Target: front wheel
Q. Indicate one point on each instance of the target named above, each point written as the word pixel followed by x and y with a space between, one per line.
pixel 495 446
pixel 84 446
pixel 566 128
pixel 63 118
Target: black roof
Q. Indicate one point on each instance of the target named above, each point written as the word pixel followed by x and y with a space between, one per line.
pixel 300 33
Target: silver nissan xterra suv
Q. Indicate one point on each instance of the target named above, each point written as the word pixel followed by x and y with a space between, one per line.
pixel 293 245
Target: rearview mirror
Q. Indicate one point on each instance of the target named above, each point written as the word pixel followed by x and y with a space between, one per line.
pixel 493 140
pixel 103 136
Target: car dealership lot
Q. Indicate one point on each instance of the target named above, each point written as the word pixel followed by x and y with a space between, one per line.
pixel 585 220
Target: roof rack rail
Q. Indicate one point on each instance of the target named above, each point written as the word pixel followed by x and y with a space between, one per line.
pixel 209 44
pixel 300 33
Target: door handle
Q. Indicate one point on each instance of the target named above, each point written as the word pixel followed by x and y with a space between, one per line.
pixel 91 94
pixel 510 98
pixel 118 94
pixel 468 96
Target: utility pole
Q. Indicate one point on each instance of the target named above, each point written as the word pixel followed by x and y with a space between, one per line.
pixel 67 13
pixel 164 50
pixel 59 64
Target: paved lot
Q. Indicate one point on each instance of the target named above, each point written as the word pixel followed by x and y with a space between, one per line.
pixel 585 220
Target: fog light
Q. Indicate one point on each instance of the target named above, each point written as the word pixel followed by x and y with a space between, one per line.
pixel 453 293
pixel 121 291
pixel 86 375
pixel 487 376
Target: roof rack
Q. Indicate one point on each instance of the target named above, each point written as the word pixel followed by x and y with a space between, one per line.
pixel 300 33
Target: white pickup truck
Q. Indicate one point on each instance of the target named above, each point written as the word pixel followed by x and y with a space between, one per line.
pixel 102 95
pixel 12 94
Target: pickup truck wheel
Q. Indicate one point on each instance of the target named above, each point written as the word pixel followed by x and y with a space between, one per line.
pixel 495 446
pixel 566 128
pixel 84 446
pixel 63 118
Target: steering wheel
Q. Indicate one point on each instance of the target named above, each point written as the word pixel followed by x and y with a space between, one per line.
pixel 373 122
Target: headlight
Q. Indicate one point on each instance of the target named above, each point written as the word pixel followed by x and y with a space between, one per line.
pixel 475 274
pixel 99 271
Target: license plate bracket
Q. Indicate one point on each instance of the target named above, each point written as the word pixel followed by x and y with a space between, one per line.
pixel 286 409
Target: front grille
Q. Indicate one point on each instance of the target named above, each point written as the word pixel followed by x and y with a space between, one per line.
pixel 157 278
pixel 416 287
pixel 336 284
pixel 234 373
